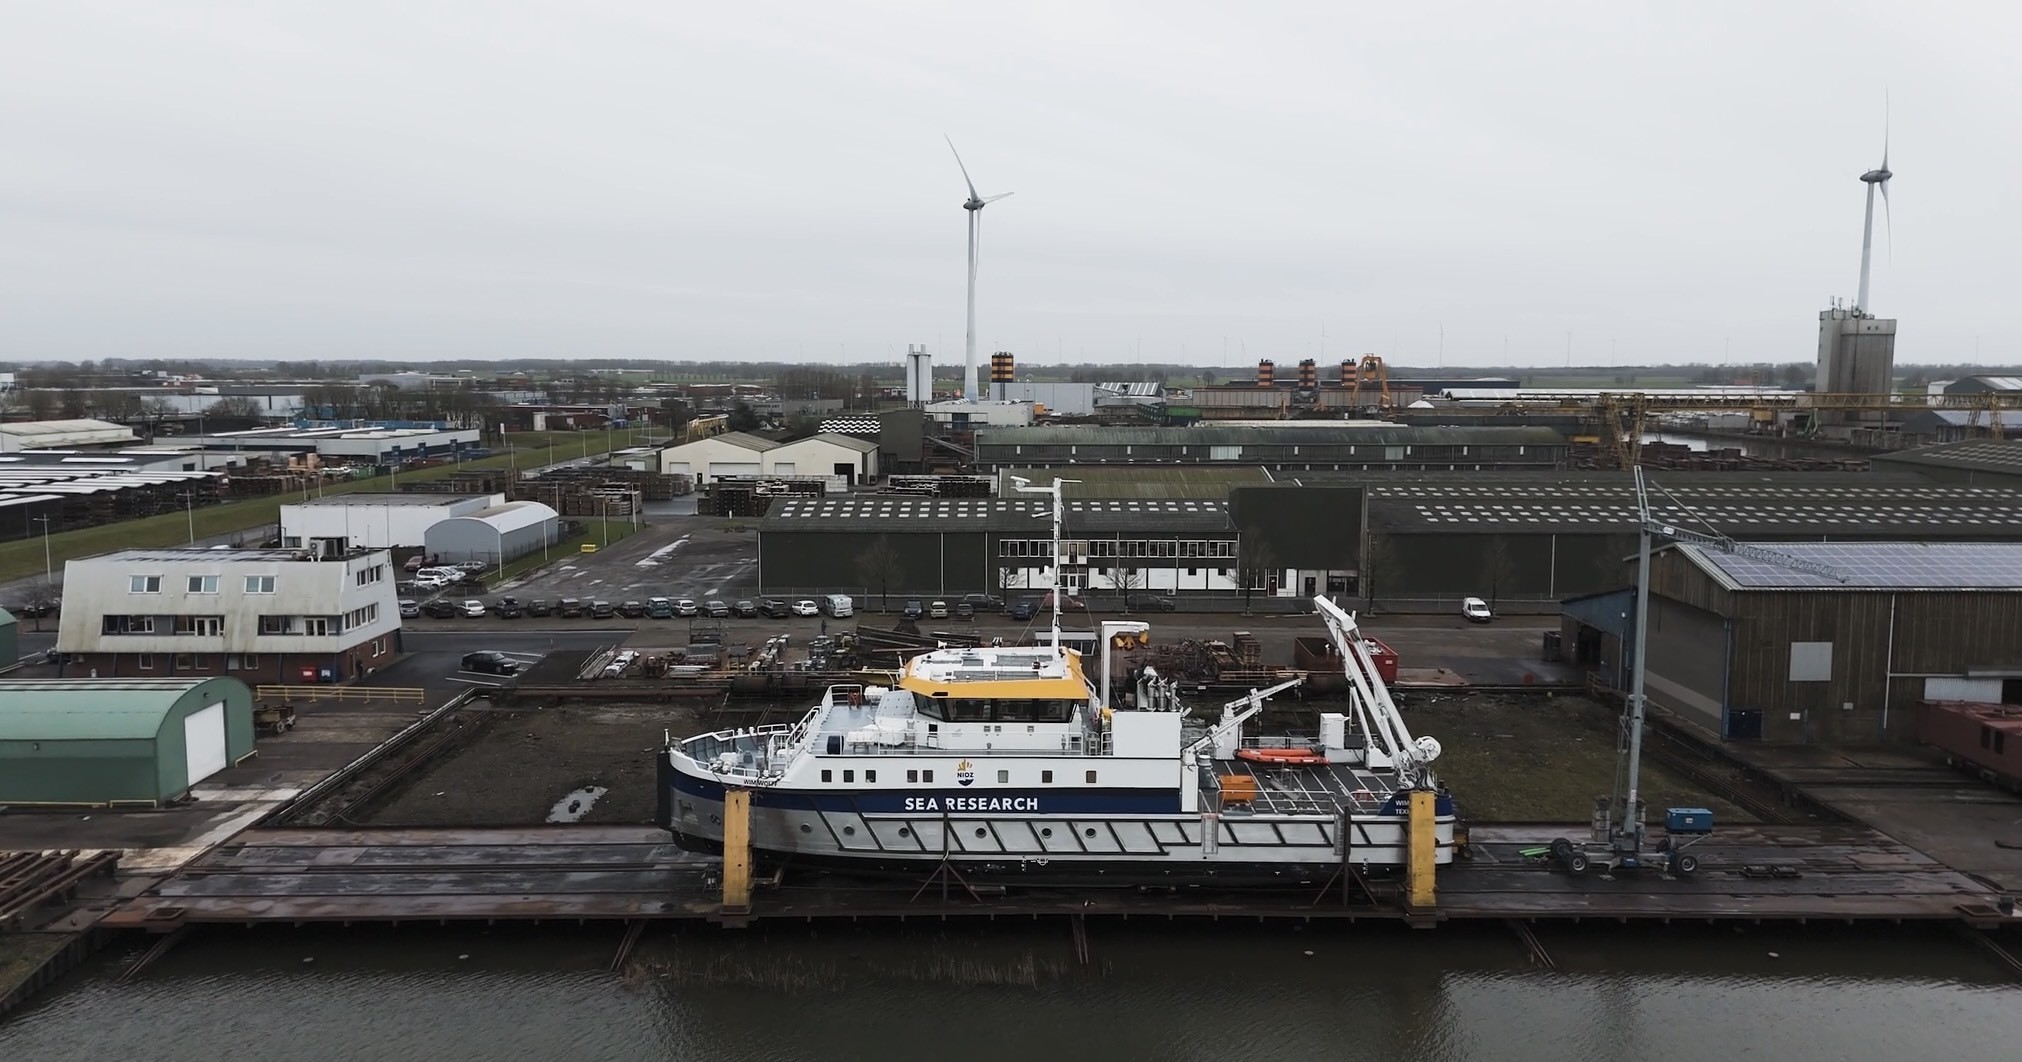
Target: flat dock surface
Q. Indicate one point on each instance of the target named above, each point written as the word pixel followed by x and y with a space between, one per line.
pixel 629 872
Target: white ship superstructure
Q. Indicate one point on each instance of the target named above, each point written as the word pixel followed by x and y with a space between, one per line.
pixel 1013 763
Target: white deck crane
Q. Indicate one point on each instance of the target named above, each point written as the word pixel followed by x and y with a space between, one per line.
pixel 1618 840
pixel 1375 712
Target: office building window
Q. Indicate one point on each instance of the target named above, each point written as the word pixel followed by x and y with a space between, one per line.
pixel 259 584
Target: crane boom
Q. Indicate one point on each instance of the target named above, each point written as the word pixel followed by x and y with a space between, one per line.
pixel 1375 712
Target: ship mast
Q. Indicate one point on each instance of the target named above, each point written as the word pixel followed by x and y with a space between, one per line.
pixel 1057 490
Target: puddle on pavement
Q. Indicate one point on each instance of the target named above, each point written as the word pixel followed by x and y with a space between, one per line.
pixel 576 804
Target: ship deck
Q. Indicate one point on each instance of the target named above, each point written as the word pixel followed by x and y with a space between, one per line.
pixel 1288 790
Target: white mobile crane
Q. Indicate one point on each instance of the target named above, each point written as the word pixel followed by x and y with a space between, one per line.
pixel 1390 742
pixel 1618 840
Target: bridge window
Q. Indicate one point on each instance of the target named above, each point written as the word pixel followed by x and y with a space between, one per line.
pixel 827 775
pixel 1046 776
pixel 849 776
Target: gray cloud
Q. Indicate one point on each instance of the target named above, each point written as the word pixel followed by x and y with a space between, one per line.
pixel 768 180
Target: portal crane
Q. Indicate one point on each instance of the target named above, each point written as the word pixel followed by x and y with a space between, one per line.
pixel 1375 713
pixel 1618 837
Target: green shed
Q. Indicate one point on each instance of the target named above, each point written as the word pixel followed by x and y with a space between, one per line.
pixel 10 639
pixel 118 741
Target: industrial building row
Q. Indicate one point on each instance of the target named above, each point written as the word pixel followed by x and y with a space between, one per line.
pixel 1392 538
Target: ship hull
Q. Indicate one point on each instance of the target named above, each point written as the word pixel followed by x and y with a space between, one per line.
pixel 1123 848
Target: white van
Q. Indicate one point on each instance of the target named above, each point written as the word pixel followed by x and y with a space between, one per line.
pixel 838 606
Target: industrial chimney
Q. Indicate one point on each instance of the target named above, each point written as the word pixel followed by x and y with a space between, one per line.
pixel 1309 375
pixel 1267 373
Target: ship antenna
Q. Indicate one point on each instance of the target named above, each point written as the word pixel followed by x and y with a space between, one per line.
pixel 1058 490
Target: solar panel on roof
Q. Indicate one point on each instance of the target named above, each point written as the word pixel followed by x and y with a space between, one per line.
pixel 1877 565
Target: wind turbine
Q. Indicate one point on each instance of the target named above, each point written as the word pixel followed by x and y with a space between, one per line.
pixel 974 205
pixel 1876 178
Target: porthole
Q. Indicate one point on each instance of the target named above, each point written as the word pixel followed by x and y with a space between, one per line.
pixel 981 832
pixel 1089 832
pixel 905 831
pixel 849 831
pixel 1045 831
pixel 805 828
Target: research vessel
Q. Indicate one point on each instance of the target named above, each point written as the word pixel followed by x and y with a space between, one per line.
pixel 1016 763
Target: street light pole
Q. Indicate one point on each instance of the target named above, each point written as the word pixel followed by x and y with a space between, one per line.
pixel 190 512
pixel 501 553
pixel 48 568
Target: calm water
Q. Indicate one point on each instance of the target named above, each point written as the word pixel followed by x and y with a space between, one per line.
pixel 1153 992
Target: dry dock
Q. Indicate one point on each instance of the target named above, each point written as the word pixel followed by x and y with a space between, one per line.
pixel 605 873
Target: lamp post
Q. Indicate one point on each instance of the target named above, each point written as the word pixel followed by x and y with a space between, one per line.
pixel 501 552
pixel 190 513
pixel 48 568
pixel 604 506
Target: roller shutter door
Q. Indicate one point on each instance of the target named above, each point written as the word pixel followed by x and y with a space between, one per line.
pixel 718 469
pixel 204 742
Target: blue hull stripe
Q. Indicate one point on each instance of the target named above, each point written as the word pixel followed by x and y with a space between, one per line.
pixel 949 801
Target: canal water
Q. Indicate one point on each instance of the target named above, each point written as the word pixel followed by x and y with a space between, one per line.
pixel 1152 991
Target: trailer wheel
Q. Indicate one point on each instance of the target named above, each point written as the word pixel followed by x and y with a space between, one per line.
pixel 1577 863
pixel 1685 865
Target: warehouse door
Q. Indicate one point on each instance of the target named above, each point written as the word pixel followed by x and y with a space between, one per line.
pixel 783 468
pixel 204 742
pixel 719 469
pixel 677 468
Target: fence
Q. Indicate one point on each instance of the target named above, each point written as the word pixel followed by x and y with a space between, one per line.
pixel 340 693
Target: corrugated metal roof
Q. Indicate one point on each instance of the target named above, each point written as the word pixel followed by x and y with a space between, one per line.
pixel 511 516
pixel 1982 455
pixel 89 709
pixel 1738 504
pixel 1309 433
pixel 1204 482
pixel 1868 566
pixel 899 513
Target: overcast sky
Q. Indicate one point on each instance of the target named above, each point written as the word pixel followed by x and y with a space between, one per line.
pixel 1676 182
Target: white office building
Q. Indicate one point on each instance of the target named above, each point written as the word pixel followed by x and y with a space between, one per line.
pixel 259 615
pixel 340 523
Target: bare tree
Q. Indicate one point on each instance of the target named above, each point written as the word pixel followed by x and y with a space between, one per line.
pixel 237 407
pixel 1126 580
pixel 880 565
pixel 1379 567
pixel 1498 570
pixel 40 403
pixel 1258 564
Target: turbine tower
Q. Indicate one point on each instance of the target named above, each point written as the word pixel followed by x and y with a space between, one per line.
pixel 974 205
pixel 1875 178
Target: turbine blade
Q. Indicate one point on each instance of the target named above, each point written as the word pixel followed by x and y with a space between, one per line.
pixel 994 198
pixel 1885 138
pixel 958 162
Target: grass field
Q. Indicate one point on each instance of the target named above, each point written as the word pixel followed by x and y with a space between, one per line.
pixel 24 559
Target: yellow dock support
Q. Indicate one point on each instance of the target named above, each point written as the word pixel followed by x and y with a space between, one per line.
pixel 1421 862
pixel 736 851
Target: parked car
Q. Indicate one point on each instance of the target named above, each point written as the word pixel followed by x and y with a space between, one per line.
pixel 409 608
pixel 806 607
pixel 602 610
pixel 1475 609
pixel 983 602
pixel 440 609
pixel 964 610
pixel 717 608
pixel 571 608
pixel 1068 603
pixel 937 610
pixel 913 610
pixel 1022 609
pixel 660 607
pixel 508 608
pixel 473 608
pixel 774 608
pixel 475 567
pixel 1149 603
pixel 744 609
pixel 414 564
pixel 488 662
pixel 540 607
pixel 428 584
pixel 632 610
pixel 687 607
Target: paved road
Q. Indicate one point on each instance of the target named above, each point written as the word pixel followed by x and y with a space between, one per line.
pixel 675 557
pixel 434 658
